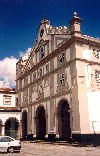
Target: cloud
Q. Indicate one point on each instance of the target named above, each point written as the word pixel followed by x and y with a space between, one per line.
pixel 26 53
pixel 8 70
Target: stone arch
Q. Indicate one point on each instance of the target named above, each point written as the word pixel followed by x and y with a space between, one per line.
pixel 11 127
pixel 40 123
pixel 63 114
pixel 1 124
pixel 24 125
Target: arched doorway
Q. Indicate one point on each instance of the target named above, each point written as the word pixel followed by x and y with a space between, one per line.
pixel 24 125
pixel 11 127
pixel 1 127
pixel 64 129
pixel 40 123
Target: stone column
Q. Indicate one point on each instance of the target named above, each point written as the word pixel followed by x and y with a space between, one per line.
pixel 52 134
pixel 35 123
pixel 52 122
pixel 56 124
pixel 46 116
pixel 20 129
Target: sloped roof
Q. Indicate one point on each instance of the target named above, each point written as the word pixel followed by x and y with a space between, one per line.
pixel 15 109
pixel 7 90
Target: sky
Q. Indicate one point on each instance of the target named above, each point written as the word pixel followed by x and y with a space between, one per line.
pixel 19 21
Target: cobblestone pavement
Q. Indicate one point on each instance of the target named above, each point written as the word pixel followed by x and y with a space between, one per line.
pixel 45 149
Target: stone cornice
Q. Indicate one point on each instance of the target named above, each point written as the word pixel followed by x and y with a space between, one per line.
pixel 48 98
pixel 74 39
pixel 88 40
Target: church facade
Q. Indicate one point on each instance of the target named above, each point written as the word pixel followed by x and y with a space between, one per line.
pixel 58 84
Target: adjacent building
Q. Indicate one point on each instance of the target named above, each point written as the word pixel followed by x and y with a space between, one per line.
pixel 58 84
pixel 9 113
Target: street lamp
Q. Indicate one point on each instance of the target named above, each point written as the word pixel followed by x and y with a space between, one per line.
pixel 94 131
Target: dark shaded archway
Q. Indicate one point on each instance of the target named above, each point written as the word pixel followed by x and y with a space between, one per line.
pixel 64 129
pixel 24 125
pixel 40 123
pixel 11 127
pixel 1 127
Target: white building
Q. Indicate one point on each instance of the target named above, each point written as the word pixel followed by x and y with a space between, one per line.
pixel 9 113
pixel 58 84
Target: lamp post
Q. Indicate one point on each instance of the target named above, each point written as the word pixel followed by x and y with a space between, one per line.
pixel 93 127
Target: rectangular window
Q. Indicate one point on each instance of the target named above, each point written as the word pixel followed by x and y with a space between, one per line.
pixel 97 76
pixel 62 57
pixel 6 100
pixel 41 52
pixel 96 54
pixel 47 67
pixel 34 76
pixel 62 79
pixel 40 72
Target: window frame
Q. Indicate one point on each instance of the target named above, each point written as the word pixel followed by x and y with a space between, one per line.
pixel 62 79
pixel 62 57
pixel 41 52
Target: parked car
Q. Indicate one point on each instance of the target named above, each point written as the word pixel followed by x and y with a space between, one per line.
pixel 9 144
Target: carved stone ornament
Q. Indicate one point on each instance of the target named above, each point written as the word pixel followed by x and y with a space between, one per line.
pixel 74 82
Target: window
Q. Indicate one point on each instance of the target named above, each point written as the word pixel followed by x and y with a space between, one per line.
pixel 34 76
pixel 6 100
pixel 41 52
pixel 62 79
pixel 62 57
pixel 47 68
pixel 5 139
pixel 96 53
pixel 41 32
pixel 40 72
pixel 97 76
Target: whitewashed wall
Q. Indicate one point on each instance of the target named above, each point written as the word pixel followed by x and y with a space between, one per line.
pixel 94 110
pixel 6 115
pixel 86 52
pixel 13 100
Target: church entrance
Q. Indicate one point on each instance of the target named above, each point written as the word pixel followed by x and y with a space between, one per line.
pixel 24 125
pixel 64 129
pixel 11 127
pixel 40 123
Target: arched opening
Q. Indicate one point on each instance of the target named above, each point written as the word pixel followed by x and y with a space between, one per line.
pixel 24 125
pixel 64 129
pixel 11 127
pixel 40 123
pixel 1 127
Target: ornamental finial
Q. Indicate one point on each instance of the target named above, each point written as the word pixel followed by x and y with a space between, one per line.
pixel 75 14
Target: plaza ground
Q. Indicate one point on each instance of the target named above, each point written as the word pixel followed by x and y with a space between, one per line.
pixel 48 149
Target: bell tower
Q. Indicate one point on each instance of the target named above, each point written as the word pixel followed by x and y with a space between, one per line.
pixel 43 30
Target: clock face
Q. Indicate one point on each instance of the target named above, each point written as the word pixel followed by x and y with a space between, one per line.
pixel 41 32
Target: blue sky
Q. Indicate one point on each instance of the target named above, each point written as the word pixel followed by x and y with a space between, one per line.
pixel 19 21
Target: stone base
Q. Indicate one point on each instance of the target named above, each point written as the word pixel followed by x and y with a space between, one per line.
pixel 51 137
pixel 86 138
pixel 30 137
